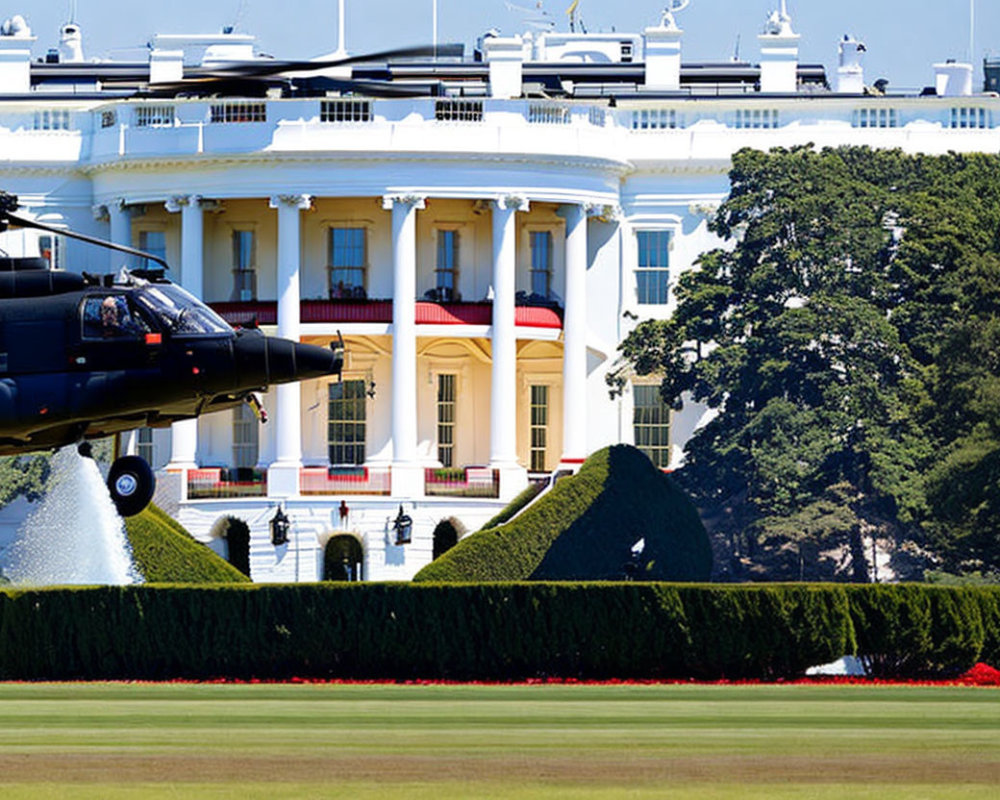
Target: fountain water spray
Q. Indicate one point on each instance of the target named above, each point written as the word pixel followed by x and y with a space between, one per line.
pixel 75 536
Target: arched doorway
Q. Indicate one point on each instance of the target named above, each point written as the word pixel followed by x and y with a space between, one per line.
pixel 237 535
pixel 343 558
pixel 446 535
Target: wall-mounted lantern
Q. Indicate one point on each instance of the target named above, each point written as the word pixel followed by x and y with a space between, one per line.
pixel 403 527
pixel 279 528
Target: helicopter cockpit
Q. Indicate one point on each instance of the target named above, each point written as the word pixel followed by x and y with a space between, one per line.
pixel 179 312
pixel 133 307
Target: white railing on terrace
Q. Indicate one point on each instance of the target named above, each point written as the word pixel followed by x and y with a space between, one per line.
pixel 189 127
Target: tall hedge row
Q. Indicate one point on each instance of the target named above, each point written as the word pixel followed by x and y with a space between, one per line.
pixel 489 631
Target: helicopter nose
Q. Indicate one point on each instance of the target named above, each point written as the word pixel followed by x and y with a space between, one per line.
pixel 294 361
pixel 266 360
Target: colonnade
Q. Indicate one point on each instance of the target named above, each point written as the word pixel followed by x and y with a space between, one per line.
pixel 407 476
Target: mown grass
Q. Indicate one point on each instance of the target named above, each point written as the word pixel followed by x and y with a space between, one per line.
pixel 380 741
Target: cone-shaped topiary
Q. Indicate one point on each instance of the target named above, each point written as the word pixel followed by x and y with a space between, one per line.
pixel 166 553
pixel 585 529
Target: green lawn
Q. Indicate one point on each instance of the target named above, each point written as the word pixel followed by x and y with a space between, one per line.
pixel 438 742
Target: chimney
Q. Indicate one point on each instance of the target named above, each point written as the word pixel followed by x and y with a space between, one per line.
pixel 70 44
pixel 166 66
pixel 15 56
pixel 506 59
pixel 663 55
pixel 953 79
pixel 779 53
pixel 850 73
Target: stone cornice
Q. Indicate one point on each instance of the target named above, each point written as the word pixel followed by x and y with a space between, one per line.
pixel 271 159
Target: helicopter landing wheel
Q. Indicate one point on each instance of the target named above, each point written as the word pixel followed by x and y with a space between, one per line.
pixel 131 484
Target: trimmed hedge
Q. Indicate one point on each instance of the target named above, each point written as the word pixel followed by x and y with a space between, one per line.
pixel 585 527
pixel 483 631
pixel 164 552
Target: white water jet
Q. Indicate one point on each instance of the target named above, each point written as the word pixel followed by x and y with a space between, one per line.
pixel 75 536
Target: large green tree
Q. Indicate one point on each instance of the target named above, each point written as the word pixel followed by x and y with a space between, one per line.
pixel 818 333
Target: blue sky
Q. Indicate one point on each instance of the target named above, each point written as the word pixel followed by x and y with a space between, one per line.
pixel 904 37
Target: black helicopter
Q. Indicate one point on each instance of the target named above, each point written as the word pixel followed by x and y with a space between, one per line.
pixel 88 356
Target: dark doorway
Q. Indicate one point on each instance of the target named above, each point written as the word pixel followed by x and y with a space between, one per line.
pixel 237 535
pixel 446 535
pixel 343 558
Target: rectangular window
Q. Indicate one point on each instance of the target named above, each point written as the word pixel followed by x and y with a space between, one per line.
pixel 446 420
pixel 244 267
pixel 238 111
pixel 345 111
pixel 446 272
pixel 154 116
pixel 51 247
pixel 246 436
pixel 144 445
pixel 346 422
pixel 541 263
pixel 539 427
pixel 54 119
pixel 348 258
pixel 651 424
pixel 109 119
pixel 653 270
pixel 154 243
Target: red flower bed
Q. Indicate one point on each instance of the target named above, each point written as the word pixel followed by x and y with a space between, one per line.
pixel 981 675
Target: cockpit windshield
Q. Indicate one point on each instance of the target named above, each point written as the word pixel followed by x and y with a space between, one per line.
pixel 180 311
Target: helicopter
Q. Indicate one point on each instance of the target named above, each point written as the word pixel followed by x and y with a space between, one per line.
pixel 87 356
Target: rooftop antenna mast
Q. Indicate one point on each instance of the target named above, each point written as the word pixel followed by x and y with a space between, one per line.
pixel 341 32
pixel 240 13
pixel 571 13
pixel 972 31
pixel 434 26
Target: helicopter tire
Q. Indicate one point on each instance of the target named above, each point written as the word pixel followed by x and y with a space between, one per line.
pixel 131 483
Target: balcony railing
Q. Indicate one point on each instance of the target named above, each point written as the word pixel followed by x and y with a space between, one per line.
pixel 462 482
pixel 427 313
pixel 344 480
pixel 223 482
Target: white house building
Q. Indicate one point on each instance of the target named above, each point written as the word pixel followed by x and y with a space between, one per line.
pixel 483 231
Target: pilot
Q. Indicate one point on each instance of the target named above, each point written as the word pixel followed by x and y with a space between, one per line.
pixel 115 319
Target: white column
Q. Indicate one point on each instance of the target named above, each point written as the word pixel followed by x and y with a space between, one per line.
pixel 184 435
pixel 575 337
pixel 503 379
pixel 283 474
pixel 407 477
pixel 120 218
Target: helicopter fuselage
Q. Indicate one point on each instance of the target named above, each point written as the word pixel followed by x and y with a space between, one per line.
pixel 82 358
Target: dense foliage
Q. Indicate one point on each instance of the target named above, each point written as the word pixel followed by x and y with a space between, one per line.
pixel 164 552
pixel 585 529
pixel 491 631
pixel 849 336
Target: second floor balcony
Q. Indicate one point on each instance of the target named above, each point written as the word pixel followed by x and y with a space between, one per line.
pixel 380 311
